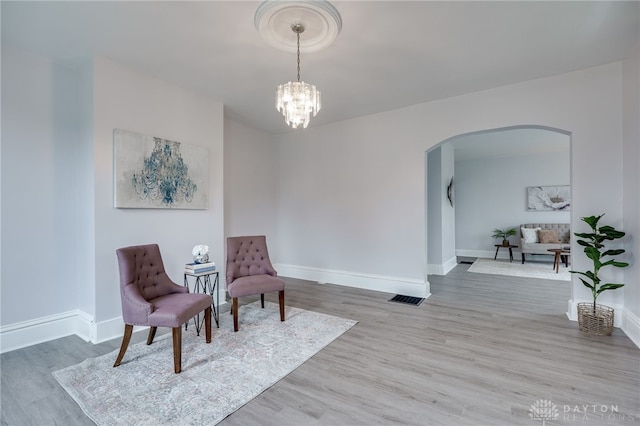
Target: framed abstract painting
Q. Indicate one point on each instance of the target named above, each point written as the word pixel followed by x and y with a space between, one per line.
pixel 548 198
pixel 155 173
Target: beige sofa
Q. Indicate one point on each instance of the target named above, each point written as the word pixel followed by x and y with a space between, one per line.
pixel 529 245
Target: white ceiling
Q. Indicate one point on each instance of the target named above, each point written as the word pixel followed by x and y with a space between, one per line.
pixel 390 54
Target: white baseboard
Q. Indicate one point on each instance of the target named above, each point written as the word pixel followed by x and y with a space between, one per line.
pixel 487 254
pixel 474 253
pixel 404 286
pixel 631 326
pixel 443 269
pixel 40 330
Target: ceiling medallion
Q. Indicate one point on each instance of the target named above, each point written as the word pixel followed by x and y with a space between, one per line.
pixel 321 20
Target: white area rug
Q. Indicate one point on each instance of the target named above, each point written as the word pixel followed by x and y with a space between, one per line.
pixel 216 378
pixel 516 269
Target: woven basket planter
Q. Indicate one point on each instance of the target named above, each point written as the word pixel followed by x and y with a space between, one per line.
pixel 598 322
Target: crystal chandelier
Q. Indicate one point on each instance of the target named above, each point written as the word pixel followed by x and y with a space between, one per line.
pixel 298 100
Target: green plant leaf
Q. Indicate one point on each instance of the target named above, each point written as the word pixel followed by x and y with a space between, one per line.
pixel 583 235
pixel 615 263
pixel 587 274
pixel 614 252
pixel 592 253
pixel 608 286
pixel 592 221
pixel 586 284
pixel 584 243
pixel 611 232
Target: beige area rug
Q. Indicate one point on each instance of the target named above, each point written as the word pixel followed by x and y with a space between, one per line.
pixel 530 269
pixel 216 378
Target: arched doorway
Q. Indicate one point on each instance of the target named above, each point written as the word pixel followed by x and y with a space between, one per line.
pixel 491 170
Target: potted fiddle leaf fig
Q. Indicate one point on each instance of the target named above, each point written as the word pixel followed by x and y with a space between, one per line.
pixel 504 234
pixel 594 318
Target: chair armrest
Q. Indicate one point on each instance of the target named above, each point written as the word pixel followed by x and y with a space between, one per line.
pixel 135 310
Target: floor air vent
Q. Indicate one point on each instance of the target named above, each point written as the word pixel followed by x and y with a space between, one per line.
pixel 408 300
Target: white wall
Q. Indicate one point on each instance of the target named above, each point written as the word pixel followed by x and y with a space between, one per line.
pixel 350 206
pixel 128 100
pixel 434 207
pixel 448 213
pixel 250 190
pixel 85 207
pixel 39 188
pixel 492 193
pixel 631 224
pixel 441 226
pixel 57 153
pixel 352 193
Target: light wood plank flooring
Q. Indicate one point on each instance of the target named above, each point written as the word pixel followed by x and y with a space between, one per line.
pixel 480 351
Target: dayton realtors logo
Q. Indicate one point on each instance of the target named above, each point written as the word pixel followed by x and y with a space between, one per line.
pixel 544 410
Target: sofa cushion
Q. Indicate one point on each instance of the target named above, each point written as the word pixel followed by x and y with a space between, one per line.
pixel 530 235
pixel 548 236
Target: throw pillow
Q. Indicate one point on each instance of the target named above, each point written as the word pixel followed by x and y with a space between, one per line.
pixel 530 235
pixel 547 236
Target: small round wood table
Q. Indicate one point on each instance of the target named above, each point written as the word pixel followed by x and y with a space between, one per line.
pixel 560 254
pixel 510 247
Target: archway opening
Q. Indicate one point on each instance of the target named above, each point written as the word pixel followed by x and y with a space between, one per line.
pixel 487 175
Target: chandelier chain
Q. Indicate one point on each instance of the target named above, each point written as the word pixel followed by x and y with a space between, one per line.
pixel 298 57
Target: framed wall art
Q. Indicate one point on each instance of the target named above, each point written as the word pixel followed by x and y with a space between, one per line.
pixel 155 173
pixel 548 198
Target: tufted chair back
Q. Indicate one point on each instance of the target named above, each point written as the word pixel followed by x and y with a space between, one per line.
pixel 249 272
pixel 247 256
pixel 142 275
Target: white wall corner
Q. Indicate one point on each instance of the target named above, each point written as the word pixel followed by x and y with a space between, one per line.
pixel 85 326
pixel 443 269
pixel 387 284
pixel 631 326
pixel 450 264
pixel 435 269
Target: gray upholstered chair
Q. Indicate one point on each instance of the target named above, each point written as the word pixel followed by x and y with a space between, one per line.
pixel 150 298
pixel 249 272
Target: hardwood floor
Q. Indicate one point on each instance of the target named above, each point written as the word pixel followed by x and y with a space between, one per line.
pixel 480 351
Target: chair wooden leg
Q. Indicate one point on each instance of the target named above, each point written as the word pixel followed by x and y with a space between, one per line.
pixel 281 300
pixel 177 349
pixel 128 330
pixel 262 300
pixel 207 323
pixel 235 314
pixel 152 335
